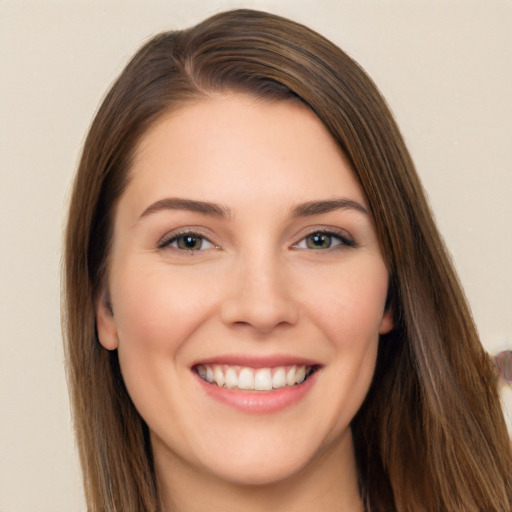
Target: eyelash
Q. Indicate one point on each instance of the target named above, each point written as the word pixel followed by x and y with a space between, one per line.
pixel 174 238
pixel 343 239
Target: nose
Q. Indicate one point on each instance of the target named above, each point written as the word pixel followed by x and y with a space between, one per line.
pixel 259 296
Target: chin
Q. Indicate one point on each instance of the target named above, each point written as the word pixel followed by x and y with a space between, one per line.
pixel 256 473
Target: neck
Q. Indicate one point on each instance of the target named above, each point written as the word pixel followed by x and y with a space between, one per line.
pixel 327 484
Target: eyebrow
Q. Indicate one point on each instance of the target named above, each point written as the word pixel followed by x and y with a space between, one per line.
pixel 216 210
pixel 176 203
pixel 318 207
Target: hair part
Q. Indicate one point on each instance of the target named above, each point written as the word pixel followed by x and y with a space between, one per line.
pixel 430 435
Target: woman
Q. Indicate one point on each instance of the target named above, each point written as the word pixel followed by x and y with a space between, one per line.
pixel 260 312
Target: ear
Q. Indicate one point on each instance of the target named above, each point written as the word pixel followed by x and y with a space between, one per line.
pixel 105 322
pixel 387 323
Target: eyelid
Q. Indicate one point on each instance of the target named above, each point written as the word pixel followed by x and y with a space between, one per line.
pixel 341 234
pixel 172 236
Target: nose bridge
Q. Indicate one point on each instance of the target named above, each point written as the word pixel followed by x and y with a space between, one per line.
pixel 259 293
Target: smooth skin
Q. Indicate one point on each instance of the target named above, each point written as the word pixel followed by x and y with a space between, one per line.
pixel 262 272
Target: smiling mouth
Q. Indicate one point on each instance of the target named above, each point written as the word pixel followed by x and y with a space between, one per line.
pixel 252 379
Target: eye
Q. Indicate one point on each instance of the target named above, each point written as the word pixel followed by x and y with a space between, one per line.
pixel 189 241
pixel 321 240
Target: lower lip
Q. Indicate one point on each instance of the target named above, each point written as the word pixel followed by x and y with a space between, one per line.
pixel 259 402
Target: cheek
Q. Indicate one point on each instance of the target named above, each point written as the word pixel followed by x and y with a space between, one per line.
pixel 349 308
pixel 350 315
pixel 156 306
pixel 156 312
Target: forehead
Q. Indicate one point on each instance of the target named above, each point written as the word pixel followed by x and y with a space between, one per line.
pixel 236 147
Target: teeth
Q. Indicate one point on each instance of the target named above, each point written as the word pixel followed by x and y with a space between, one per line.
pixel 231 378
pixel 279 378
pixel 218 375
pixel 290 376
pixel 262 379
pixel 300 374
pixel 246 379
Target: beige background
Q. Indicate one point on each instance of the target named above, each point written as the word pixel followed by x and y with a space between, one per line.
pixel 444 66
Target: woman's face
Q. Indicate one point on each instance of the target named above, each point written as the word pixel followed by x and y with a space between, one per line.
pixel 247 288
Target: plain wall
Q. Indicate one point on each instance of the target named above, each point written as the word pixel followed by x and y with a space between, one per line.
pixel 444 66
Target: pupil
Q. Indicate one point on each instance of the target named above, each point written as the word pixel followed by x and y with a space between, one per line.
pixel 320 240
pixel 191 242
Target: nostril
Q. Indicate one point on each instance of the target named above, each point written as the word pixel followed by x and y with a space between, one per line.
pixel 259 326
pixel 262 314
pixel 258 295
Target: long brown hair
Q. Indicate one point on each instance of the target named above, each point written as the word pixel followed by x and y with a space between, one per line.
pixel 430 435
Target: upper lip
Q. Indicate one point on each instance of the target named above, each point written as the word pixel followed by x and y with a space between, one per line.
pixel 256 361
